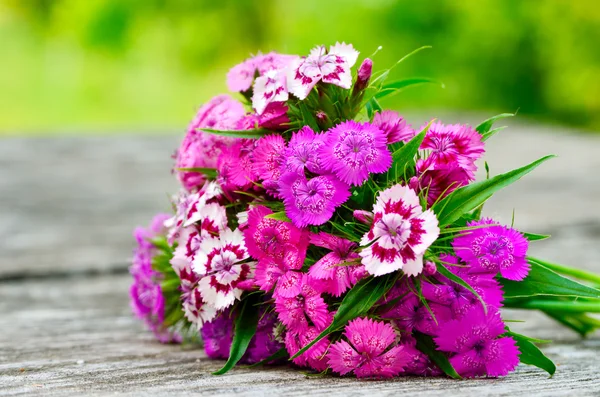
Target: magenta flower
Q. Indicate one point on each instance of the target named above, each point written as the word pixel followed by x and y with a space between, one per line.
pixel 236 167
pixel 452 145
pixel 401 233
pixel 411 314
pixel 352 150
pixel 331 67
pixel 217 265
pixel 217 336
pixel 393 126
pixel 241 76
pixel 306 305
pixel 311 201
pixel 476 346
pixel 417 362
pixel 437 184
pixel 334 268
pixel 201 150
pixel 315 357
pixel 370 352
pixel 494 249
pixel 264 343
pixel 268 159
pixel 303 152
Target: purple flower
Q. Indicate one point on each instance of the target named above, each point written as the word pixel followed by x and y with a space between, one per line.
pixel 311 201
pixel 264 344
pixel 393 126
pixel 494 249
pixel 217 335
pixel 371 351
pixel 352 150
pixel 303 152
pixel 331 67
pixel 476 346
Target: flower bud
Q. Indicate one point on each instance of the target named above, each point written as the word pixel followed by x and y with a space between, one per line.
pixel 430 268
pixel 364 75
pixel 363 216
pixel 413 183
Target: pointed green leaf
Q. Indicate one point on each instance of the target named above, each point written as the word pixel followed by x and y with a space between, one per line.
pixel 250 134
pixel 397 86
pixel 532 355
pixel 542 281
pixel 536 237
pixel 209 172
pixel 358 301
pixel 427 346
pixel 279 216
pixel 469 197
pixel 485 127
pixel 245 328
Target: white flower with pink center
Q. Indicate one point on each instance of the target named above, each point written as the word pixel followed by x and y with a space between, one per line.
pixel 268 88
pixel 331 67
pixel 217 263
pixel 196 310
pixel 400 234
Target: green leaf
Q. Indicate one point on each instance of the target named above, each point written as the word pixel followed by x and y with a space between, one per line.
pixel 397 86
pixel 532 355
pixel 536 237
pixel 542 281
pixel 469 197
pixel 245 328
pixel 408 152
pixel 443 270
pixel 426 345
pixel 485 127
pixel 279 216
pixel 358 301
pixel 209 172
pixel 250 134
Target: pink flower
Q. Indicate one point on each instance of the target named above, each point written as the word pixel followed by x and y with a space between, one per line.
pixel 315 356
pixel 494 249
pixel 401 233
pixel 370 351
pixel 452 145
pixel 196 309
pixel 201 150
pixel 236 167
pixel 306 305
pixel 274 117
pixel 437 184
pixel 311 201
pixel 352 150
pixel 217 263
pixel 269 88
pixel 393 126
pixel 333 268
pixel 303 152
pixel 332 68
pixel 268 159
pixel 476 346
pixel 241 76
pixel 409 313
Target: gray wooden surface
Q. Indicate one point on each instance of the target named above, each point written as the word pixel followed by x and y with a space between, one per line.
pixel 67 207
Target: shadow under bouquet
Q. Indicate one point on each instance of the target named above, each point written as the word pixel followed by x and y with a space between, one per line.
pixel 314 226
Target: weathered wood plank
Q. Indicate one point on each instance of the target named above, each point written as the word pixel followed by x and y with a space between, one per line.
pixel 76 336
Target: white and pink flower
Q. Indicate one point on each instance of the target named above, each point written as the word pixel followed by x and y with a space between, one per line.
pixel 400 234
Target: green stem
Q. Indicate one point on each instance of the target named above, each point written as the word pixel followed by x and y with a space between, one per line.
pixel 570 271
pixel 558 306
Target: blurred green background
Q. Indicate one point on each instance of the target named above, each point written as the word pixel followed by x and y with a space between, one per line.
pixel 141 65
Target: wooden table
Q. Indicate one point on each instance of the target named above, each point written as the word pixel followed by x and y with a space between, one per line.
pixel 67 207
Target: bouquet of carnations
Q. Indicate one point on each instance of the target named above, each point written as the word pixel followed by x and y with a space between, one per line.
pixel 314 226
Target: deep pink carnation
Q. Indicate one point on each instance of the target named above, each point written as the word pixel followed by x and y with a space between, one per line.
pixel 201 150
pixel 303 152
pixel 438 183
pixel 494 249
pixel 268 159
pixel 452 145
pixel 236 166
pixel 370 352
pixel 311 201
pixel 352 150
pixel 476 346
pixel 393 126
pixel 315 357
pixel 401 233
pixel 411 314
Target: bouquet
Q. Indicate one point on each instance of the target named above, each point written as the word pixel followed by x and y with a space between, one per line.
pixel 315 227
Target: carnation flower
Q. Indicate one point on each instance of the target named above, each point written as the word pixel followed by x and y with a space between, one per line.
pixel 315 356
pixel 352 150
pixel 311 201
pixel 269 88
pixel 307 304
pixel 437 184
pixel 494 249
pixel 371 351
pixel 400 234
pixel 303 152
pixel 241 76
pixel 236 167
pixel 393 126
pixel 201 150
pixel 331 67
pixel 217 265
pixel 452 145
pixel 417 362
pixel 268 159
pixel 217 335
pixel 409 313
pixel 334 267
pixel 476 346
pixel 196 309
pixel 264 343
